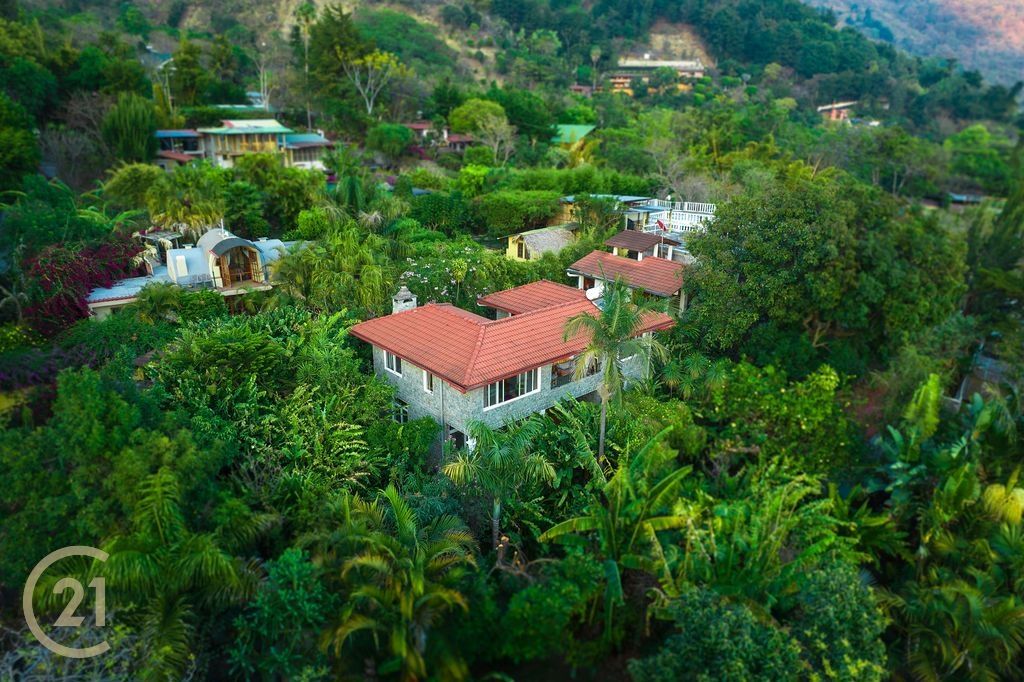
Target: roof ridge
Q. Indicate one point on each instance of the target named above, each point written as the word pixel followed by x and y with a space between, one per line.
pixel 535 311
pixel 476 353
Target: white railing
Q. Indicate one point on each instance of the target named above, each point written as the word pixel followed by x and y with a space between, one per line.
pixel 684 206
pixel 677 221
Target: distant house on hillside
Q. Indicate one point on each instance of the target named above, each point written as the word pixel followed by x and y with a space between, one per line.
pixel 458 143
pixel 234 138
pixel 837 111
pixel 178 147
pixel 220 261
pixel 642 68
pixel 305 150
pixel 457 367
pixel 533 244
pixel 427 131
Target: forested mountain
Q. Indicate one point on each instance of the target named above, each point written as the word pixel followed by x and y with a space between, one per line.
pixel 985 35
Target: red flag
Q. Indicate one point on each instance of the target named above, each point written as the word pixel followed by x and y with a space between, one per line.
pixel 662 226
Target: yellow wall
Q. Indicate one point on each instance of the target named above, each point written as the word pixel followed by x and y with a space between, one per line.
pixel 512 251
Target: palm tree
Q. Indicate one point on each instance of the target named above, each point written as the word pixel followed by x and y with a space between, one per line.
pixel 157 302
pixel 595 57
pixel 613 337
pixel 627 522
pixel 191 200
pixel 501 463
pixel 345 267
pixel 305 17
pixel 402 581
pixel 166 570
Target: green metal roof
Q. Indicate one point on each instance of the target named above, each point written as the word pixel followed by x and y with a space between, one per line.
pixel 571 133
pixel 248 127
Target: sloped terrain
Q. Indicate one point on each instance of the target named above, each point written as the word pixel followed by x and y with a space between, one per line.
pixel 987 35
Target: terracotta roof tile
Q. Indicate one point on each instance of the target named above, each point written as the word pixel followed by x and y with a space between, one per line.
pixel 655 275
pixel 469 351
pixel 532 296
pixel 638 241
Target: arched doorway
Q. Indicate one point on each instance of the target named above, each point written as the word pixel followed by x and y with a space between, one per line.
pixel 239 265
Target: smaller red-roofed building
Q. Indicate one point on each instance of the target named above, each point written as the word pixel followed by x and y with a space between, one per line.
pixel 458 367
pixel 529 297
pixel 638 245
pixel 652 275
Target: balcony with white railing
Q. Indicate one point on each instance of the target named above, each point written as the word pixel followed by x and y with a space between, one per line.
pixel 698 207
pixel 677 221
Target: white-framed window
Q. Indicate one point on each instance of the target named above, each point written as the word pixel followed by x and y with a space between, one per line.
pixel 401 411
pixel 428 381
pixel 510 389
pixel 393 363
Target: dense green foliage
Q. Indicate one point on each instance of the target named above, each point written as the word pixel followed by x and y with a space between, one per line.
pixel 819 479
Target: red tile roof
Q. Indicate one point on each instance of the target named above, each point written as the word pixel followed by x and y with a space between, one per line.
pixel 180 157
pixel 532 296
pixel 638 241
pixel 469 351
pixel 655 275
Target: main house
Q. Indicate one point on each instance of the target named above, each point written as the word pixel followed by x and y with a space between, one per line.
pixel 457 367
pixel 220 260
pixel 223 144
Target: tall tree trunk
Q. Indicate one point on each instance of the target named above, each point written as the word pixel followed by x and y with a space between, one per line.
pixel 495 523
pixel 309 114
pixel 604 423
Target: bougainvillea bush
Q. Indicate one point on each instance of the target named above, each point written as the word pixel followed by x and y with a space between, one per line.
pixel 63 275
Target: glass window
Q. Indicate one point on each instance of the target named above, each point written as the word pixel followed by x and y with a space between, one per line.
pixel 393 362
pixel 401 411
pixel 428 382
pixel 514 387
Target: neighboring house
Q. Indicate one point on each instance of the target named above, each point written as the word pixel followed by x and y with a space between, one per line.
pixel 234 138
pixel 651 275
pixel 458 143
pixel 837 111
pixel 220 260
pixel 306 150
pixel 426 131
pixel 568 135
pixel 533 244
pixel 177 147
pixel 457 367
pixel 630 68
pixel 567 205
pixel 639 245
pixel 675 219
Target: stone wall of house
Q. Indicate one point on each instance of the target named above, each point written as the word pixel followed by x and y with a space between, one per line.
pixel 462 408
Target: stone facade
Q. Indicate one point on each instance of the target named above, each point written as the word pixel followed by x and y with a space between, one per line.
pixel 448 406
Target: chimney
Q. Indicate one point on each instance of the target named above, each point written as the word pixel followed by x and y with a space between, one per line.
pixel 403 300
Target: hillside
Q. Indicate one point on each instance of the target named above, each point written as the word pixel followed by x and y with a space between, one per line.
pixel 986 35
